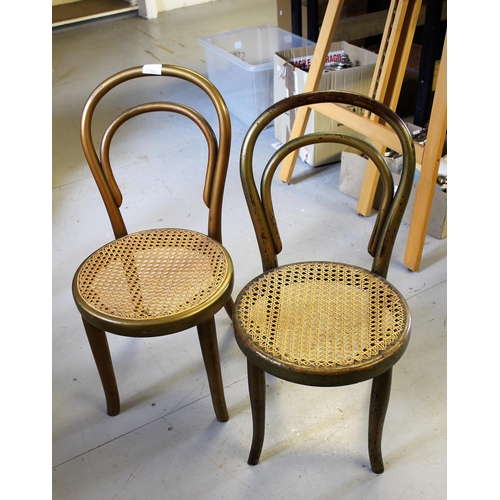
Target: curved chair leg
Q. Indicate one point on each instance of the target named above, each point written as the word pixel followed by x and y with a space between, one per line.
pixel 379 401
pixel 210 351
pixel 257 389
pixel 229 306
pixel 100 350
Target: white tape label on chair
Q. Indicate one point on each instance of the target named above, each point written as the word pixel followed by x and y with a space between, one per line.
pixel 151 69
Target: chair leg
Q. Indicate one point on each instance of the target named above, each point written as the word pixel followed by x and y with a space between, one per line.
pixel 100 350
pixel 257 390
pixel 229 306
pixel 210 351
pixel 379 401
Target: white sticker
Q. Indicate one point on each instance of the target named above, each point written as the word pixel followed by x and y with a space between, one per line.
pixel 151 69
pixel 238 44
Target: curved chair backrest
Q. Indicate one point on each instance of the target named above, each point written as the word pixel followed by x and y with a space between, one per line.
pixel 393 203
pixel 218 149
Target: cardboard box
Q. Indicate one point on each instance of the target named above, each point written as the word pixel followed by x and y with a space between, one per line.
pixel 290 80
pixel 438 219
pixel 352 172
pixel 240 64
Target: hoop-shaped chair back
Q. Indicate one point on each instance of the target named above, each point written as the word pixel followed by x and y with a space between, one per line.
pixel 393 202
pixel 218 148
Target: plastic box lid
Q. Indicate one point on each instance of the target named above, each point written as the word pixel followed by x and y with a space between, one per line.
pixel 252 49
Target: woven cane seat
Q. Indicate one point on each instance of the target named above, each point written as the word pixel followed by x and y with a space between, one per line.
pixel 156 275
pixel 321 323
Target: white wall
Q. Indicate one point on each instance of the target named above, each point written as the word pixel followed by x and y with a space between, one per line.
pixel 160 4
pixel 177 4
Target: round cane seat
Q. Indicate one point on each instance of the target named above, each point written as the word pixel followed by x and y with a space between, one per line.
pixel 322 323
pixel 164 278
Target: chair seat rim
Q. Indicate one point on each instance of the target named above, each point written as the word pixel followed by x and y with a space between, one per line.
pixel 160 325
pixel 321 376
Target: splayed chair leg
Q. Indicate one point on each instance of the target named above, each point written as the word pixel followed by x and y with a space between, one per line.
pixel 379 401
pixel 257 389
pixel 100 349
pixel 210 351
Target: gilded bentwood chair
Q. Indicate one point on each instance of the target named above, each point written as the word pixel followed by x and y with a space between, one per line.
pixel 157 281
pixel 323 323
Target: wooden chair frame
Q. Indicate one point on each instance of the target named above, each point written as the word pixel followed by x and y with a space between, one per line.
pixel 262 359
pixel 97 318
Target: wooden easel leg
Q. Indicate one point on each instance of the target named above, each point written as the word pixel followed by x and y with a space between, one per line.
pixel 428 174
pixel 325 38
pixel 388 77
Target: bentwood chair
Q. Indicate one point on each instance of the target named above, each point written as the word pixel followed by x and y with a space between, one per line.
pixel 157 281
pixel 323 323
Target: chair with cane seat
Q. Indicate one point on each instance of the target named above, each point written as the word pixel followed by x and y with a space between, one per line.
pixel 323 323
pixel 157 282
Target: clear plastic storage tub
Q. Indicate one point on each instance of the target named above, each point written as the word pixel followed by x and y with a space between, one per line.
pixel 240 65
